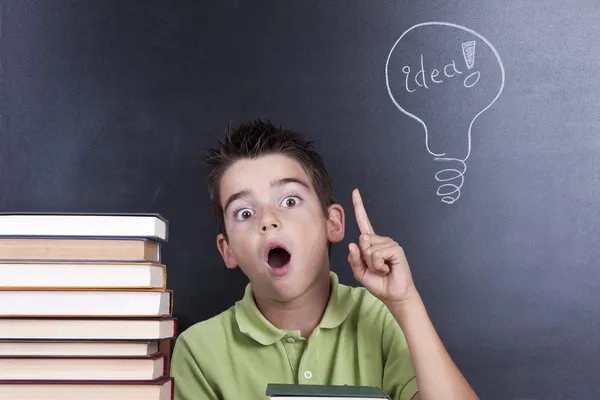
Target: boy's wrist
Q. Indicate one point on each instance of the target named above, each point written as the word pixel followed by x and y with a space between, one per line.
pixel 408 299
pixel 401 309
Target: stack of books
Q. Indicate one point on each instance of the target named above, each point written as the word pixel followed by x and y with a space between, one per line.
pixel 84 309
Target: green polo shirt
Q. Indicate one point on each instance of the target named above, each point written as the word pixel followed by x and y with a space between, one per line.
pixel 234 355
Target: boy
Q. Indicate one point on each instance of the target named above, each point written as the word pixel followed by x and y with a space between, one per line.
pixel 296 323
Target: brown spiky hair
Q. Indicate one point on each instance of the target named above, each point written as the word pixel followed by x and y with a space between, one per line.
pixel 256 138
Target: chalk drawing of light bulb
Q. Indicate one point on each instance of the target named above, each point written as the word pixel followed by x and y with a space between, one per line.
pixel 445 76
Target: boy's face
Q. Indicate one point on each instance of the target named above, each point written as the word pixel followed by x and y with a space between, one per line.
pixel 271 201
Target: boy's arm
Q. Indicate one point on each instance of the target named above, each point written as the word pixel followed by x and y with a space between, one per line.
pixel 190 383
pixel 437 375
pixel 380 265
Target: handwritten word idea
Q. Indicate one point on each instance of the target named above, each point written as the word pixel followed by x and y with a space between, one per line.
pixel 450 71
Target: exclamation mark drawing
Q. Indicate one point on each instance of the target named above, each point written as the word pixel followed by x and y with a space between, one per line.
pixel 468 50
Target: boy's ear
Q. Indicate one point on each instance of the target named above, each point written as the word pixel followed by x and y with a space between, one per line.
pixel 226 252
pixel 335 223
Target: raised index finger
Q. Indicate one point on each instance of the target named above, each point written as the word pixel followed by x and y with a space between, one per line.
pixel 364 225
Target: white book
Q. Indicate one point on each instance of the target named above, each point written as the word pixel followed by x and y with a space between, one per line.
pixel 46 302
pixel 84 225
pixel 82 275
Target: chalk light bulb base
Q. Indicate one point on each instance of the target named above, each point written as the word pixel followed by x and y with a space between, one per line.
pixel 453 179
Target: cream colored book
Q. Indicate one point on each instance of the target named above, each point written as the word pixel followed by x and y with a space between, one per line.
pixel 83 368
pixel 85 303
pixel 142 275
pixel 111 348
pixel 160 389
pixel 87 328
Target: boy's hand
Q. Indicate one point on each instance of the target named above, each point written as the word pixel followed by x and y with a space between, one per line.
pixel 379 263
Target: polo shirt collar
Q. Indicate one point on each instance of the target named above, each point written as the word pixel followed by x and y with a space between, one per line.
pixel 252 323
pixel 340 303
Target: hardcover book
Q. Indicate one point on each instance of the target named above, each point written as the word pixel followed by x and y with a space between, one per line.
pixel 278 391
pixel 157 389
pixel 148 225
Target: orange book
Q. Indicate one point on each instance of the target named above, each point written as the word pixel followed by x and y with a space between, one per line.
pixel 79 249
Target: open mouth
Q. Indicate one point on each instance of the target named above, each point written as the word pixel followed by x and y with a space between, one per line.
pixel 278 257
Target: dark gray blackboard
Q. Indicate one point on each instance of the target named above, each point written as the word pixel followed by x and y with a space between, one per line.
pixel 107 106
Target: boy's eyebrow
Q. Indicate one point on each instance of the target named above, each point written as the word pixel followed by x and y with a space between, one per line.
pixel 275 183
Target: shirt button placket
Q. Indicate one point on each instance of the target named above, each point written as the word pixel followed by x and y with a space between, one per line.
pixel 293 345
pixel 308 363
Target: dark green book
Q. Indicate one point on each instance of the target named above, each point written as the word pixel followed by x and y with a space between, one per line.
pixel 290 391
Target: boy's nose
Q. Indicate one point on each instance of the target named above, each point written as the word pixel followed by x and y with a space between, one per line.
pixel 269 220
pixel 269 225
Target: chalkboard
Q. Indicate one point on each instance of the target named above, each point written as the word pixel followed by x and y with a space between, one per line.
pixel 471 128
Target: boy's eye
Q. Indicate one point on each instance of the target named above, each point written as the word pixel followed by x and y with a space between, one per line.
pixel 291 201
pixel 244 213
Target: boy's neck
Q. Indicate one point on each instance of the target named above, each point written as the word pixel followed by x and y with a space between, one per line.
pixel 303 313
